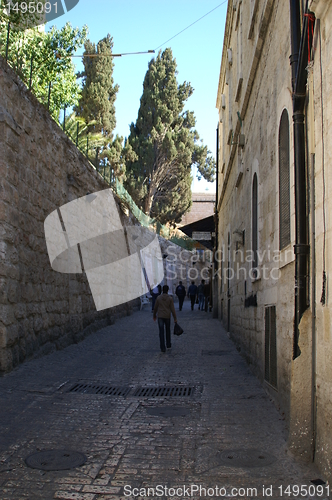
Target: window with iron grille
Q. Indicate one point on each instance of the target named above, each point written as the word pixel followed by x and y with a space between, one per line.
pixel 254 213
pixel 271 346
pixel 284 182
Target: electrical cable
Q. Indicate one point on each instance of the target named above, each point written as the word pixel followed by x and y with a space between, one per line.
pixel 152 51
pixel 222 3
pixel 115 55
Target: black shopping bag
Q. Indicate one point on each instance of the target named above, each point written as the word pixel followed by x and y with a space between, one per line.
pixel 177 329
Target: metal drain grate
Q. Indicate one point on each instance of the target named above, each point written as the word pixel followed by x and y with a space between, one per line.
pixel 105 390
pixel 160 392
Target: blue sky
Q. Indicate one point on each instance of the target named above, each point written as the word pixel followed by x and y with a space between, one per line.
pixel 141 25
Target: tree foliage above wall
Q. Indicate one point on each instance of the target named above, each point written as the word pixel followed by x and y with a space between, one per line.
pixel 45 58
pixel 97 103
pixel 164 145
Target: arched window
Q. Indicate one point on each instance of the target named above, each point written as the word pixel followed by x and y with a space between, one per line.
pixel 284 182
pixel 254 212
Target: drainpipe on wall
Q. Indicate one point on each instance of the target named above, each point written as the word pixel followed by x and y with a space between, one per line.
pixel 216 218
pixel 215 281
pixel 299 62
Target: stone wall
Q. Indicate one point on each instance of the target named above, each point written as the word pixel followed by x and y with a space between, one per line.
pixel 254 91
pixel 40 169
pixel 320 154
pixel 254 84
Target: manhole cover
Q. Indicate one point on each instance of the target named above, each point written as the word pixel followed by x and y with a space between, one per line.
pixel 55 460
pixel 245 458
pixel 160 411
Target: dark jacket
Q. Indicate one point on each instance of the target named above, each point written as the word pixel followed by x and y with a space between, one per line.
pixel 207 290
pixel 192 290
pixel 180 291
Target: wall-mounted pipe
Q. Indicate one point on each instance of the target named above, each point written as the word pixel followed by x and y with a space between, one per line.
pixel 295 25
pixel 299 62
pixel 216 217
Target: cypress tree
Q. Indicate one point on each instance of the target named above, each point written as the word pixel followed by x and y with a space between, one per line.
pixel 97 103
pixel 98 91
pixel 163 145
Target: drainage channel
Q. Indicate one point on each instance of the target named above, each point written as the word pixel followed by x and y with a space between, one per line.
pixel 105 390
pixel 161 392
pixel 175 391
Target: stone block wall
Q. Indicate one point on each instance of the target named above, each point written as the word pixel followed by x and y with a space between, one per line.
pixel 254 92
pixel 40 170
pixel 320 153
pixel 254 85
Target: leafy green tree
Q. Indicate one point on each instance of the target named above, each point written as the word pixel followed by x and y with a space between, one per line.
pixel 20 17
pixel 164 145
pixel 46 58
pixel 76 128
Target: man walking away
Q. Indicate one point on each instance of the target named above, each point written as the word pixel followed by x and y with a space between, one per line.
pixel 164 306
pixel 200 291
pixel 181 293
pixel 192 293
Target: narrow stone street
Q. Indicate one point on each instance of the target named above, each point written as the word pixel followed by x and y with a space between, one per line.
pixel 222 432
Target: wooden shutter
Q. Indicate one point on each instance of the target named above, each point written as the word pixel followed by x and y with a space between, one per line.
pixel 284 182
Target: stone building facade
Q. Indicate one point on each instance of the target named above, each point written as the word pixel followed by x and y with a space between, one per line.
pixel 185 265
pixel 319 144
pixel 278 323
pixel 40 170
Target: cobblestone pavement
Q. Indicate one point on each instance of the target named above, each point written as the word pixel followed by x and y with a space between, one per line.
pixel 228 418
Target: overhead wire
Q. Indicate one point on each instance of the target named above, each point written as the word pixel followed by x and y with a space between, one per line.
pixel 153 51
pixel 115 55
pixel 179 33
